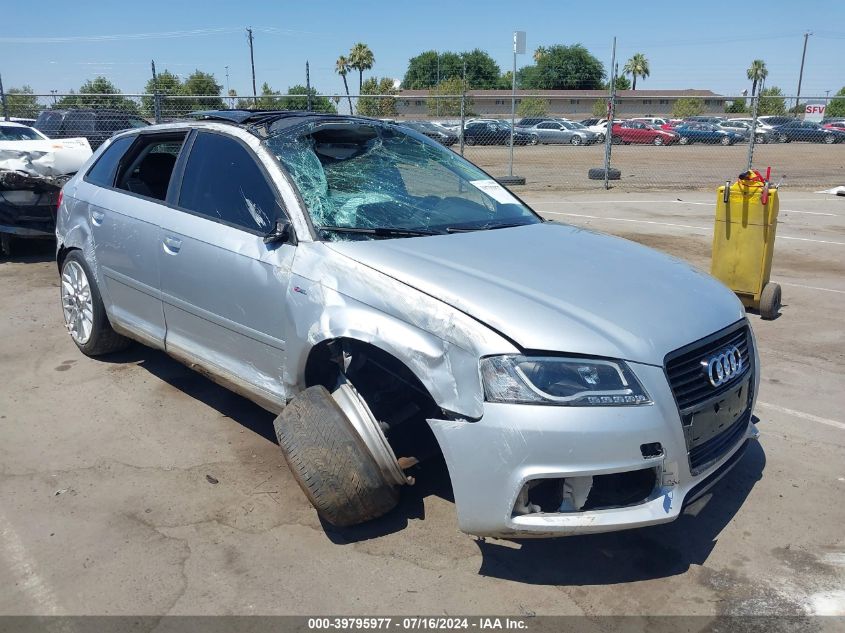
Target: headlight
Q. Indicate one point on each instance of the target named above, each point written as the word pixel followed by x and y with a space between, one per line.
pixel 560 381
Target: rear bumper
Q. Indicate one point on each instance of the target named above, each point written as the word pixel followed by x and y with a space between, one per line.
pixel 491 462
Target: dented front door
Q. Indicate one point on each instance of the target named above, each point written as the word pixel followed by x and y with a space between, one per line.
pixel 222 287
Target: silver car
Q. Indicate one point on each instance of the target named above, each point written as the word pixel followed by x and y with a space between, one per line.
pixel 562 132
pixel 392 302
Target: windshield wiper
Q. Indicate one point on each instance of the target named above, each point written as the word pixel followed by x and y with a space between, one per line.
pixel 484 227
pixel 379 231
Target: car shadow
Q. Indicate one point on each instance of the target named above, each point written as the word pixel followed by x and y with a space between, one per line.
pixel 227 403
pixel 642 554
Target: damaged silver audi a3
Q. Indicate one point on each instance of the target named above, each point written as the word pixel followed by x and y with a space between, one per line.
pixel 392 302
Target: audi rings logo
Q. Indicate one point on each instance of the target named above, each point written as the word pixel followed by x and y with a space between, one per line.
pixel 724 366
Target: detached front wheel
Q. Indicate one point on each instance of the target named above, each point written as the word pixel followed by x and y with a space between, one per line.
pixel 338 455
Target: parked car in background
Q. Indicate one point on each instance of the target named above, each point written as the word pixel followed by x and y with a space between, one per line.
pixel 495 133
pixel 33 169
pixel 692 132
pixel 599 126
pixel 628 132
pixel 562 132
pixel 393 303
pixel 96 125
pixel 807 131
pixel 834 124
pixel 764 133
pixel 705 119
pixel 656 122
pixel 531 121
pixel 433 131
pixel 773 121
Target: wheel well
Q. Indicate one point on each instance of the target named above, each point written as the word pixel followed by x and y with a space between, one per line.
pixel 396 397
pixel 61 255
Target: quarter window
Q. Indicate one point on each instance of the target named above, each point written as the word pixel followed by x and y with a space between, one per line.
pixel 103 171
pixel 223 181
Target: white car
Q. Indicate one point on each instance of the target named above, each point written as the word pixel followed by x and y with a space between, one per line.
pixel 33 169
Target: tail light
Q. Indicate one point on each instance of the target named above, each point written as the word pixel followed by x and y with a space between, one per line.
pixel 59 199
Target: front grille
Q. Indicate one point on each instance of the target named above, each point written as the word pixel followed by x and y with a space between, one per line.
pixel 715 447
pixel 688 377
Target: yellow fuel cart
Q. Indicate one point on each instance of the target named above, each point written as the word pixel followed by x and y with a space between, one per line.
pixel 744 241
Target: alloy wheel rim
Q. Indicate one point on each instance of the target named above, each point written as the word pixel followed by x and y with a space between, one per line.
pixel 77 305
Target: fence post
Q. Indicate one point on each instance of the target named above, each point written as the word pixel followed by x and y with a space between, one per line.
pixel 3 100
pixel 463 115
pixel 611 112
pixel 755 100
pixel 157 106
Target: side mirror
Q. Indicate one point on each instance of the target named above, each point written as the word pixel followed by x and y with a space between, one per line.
pixel 280 233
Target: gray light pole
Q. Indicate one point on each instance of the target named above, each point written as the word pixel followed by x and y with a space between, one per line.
pixel 801 72
pixel 518 49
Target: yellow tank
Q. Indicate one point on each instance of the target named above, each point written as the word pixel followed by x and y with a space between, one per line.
pixel 744 242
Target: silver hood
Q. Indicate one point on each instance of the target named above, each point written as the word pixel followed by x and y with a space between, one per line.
pixel 559 288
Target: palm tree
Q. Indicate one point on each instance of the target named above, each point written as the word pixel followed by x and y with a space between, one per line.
pixel 757 73
pixel 361 58
pixel 540 53
pixel 341 67
pixel 637 66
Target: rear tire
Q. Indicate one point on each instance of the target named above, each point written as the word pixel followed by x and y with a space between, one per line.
pixel 576 140
pixel 684 140
pixel 770 301
pixel 616 140
pixel 658 140
pixel 597 173
pixel 81 294
pixel 469 141
pixel 829 139
pixel 726 140
pixel 330 461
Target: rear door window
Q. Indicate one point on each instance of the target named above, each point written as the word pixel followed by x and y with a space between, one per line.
pixel 223 181
pixel 102 173
pixel 148 167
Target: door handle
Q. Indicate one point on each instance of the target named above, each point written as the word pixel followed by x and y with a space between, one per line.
pixel 97 217
pixel 172 245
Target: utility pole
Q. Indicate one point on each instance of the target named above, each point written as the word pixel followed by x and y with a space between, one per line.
pixel 801 72
pixel 308 84
pixel 611 111
pixel 436 100
pixel 252 64
pixel 156 100
pixel 3 100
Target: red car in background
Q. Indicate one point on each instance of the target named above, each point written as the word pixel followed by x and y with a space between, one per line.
pixel 836 124
pixel 633 131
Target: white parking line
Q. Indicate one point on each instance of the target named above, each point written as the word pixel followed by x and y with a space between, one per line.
pixel 704 204
pixel 683 226
pixel 786 283
pixel 804 416
pixel 808 212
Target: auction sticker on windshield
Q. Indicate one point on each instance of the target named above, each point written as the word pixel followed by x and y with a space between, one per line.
pixel 495 191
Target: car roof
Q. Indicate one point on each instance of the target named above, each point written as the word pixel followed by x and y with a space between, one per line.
pixel 14 124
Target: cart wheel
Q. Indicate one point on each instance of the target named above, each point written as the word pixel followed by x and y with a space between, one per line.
pixel 770 301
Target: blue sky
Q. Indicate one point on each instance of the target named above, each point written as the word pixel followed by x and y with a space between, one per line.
pixel 57 45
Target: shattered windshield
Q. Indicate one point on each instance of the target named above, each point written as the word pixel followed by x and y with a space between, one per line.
pixel 366 180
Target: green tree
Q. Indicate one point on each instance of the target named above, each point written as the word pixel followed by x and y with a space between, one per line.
pixel 771 102
pixel 622 83
pixel 341 67
pixel 22 102
pixel 297 99
pixel 637 66
pixel 738 106
pixel 361 58
pixel 686 107
pixel 98 93
pixel 380 107
pixel 757 73
pixel 505 81
pixel 429 67
pixel 563 68
pixel 449 103
pixel 270 99
pixel 600 108
pixel 202 92
pixel 533 107
pixel 166 84
pixel 836 107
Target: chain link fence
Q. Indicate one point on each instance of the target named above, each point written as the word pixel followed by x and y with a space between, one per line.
pixel 549 142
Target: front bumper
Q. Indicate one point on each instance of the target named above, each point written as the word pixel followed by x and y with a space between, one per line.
pixel 492 460
pixel 28 213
